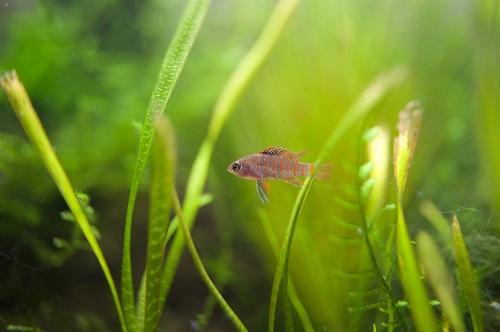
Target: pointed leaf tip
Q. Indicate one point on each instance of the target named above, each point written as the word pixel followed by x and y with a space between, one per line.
pixel 404 145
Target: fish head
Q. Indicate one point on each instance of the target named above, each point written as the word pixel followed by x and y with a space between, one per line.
pixel 239 168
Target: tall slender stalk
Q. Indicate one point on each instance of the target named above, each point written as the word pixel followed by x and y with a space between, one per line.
pixel 173 63
pixel 201 269
pixel 21 104
pixel 223 109
pixel 404 148
pixel 366 101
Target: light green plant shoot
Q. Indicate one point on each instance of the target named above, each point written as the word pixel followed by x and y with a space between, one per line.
pixel 225 105
pixel 404 147
pixel 21 104
pixel 162 185
pixel 292 293
pixel 365 102
pixel 466 277
pixel 438 277
pixel 434 216
pixel 173 63
pixel 201 269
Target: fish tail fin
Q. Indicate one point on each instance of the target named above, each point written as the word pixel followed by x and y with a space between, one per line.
pixel 324 172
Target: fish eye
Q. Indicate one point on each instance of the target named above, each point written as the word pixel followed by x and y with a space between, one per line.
pixel 236 167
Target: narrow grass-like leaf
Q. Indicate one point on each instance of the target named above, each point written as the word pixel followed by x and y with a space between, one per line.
pixel 404 147
pixel 289 326
pixel 466 276
pixel 292 293
pixel 388 264
pixel 201 269
pixel 21 104
pixel 366 307
pixel 346 224
pixel 438 277
pixel 410 278
pixel 223 109
pixel 434 216
pixel 173 63
pixel 354 275
pixel 140 311
pixel 162 184
pixel 366 101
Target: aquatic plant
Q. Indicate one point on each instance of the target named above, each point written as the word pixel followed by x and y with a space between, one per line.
pixel 360 259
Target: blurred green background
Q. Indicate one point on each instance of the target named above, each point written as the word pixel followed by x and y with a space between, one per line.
pixel 89 68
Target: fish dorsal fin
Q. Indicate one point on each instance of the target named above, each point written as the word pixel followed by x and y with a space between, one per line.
pixel 274 151
pixel 280 151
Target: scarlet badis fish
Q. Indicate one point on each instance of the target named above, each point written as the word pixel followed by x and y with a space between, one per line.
pixel 276 163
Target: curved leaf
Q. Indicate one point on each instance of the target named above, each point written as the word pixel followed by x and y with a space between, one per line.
pixel 466 276
pixel 225 105
pixel 21 103
pixel 366 101
pixel 174 61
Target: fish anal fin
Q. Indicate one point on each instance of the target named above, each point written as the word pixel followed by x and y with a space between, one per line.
pixel 280 151
pixel 294 180
pixel 263 190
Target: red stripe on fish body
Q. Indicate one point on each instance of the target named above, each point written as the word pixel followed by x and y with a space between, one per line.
pixel 261 167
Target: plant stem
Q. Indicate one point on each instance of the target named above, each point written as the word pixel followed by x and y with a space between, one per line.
pixel 173 63
pixel 365 102
pixel 225 105
pixel 21 104
pixel 201 269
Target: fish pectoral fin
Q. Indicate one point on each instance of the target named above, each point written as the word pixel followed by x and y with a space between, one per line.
pixel 263 190
pixel 294 180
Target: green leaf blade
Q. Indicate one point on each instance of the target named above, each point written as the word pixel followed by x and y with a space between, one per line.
pixel 410 278
pixel 162 186
pixel 361 106
pixel 439 278
pixel 466 276
pixel 232 90
pixel 21 104
pixel 172 66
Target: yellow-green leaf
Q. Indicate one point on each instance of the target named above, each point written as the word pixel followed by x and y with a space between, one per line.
pixel 466 276
pixel 412 282
pixel 437 275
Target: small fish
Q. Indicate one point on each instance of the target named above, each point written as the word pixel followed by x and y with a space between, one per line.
pixel 275 163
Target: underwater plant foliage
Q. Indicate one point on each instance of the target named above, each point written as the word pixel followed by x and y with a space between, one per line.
pixel 90 68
